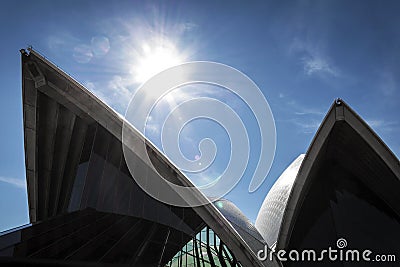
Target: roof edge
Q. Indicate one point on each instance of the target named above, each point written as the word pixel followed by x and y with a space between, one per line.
pixel 339 111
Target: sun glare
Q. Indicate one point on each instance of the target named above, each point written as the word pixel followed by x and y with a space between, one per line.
pixel 154 59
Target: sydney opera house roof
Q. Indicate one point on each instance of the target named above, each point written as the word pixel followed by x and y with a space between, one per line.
pixel 269 218
pixel 346 186
pixel 84 206
pixel 86 210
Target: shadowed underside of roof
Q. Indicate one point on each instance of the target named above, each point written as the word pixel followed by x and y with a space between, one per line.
pixel 74 161
pixel 345 157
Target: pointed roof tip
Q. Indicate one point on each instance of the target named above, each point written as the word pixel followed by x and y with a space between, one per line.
pixel 23 52
pixel 26 51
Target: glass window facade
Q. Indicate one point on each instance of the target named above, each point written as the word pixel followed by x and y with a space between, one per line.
pixel 204 250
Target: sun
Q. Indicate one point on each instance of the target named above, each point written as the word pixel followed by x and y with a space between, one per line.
pixel 154 58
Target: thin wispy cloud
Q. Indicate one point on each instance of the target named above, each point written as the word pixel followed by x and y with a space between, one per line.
pixel 186 27
pixel 307 126
pixel 19 183
pixel 305 119
pixel 306 111
pixel 388 84
pixel 116 91
pixel 382 125
pixel 62 41
pixel 303 125
pixel 313 58
pixel 120 89
pixel 314 64
pixel 300 109
pixel 153 129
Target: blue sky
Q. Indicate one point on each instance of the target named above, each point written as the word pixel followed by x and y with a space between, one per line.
pixel 301 54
